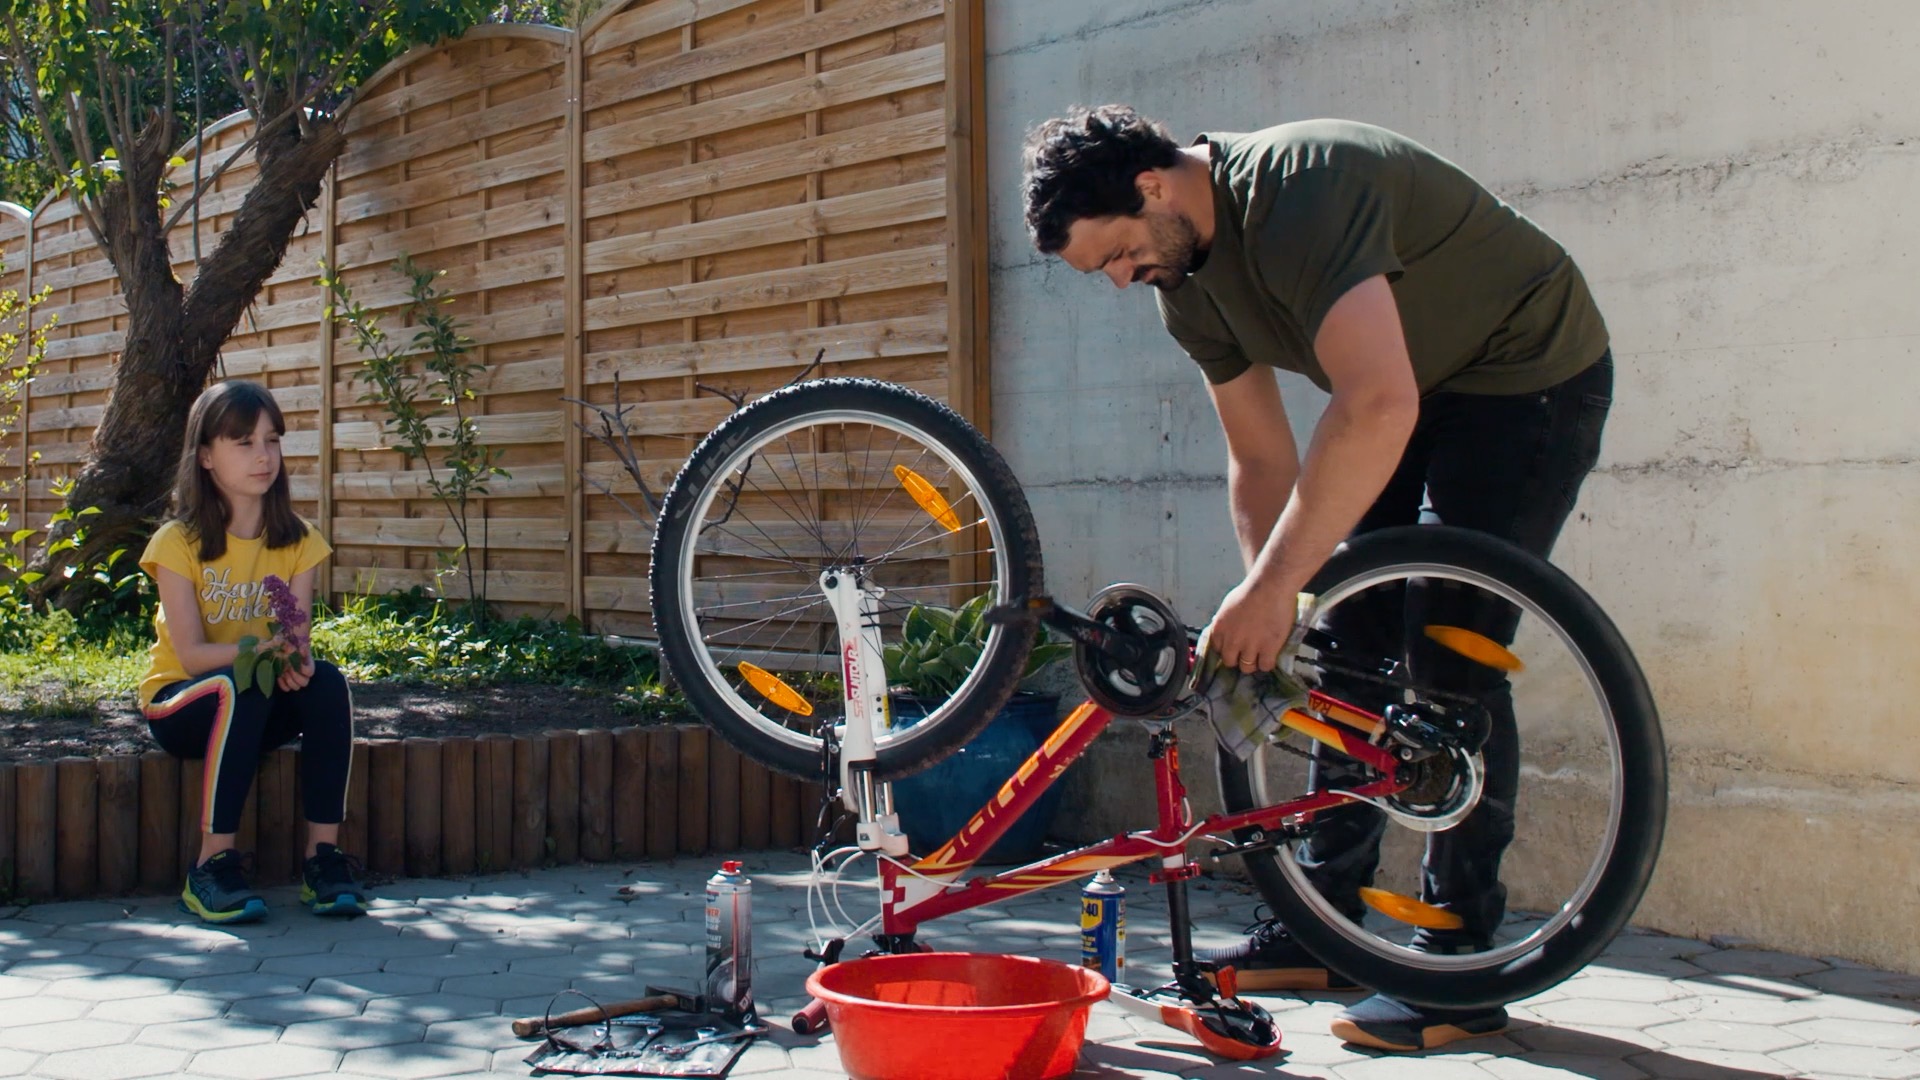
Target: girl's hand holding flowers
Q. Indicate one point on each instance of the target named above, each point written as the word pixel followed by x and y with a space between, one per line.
pixel 284 660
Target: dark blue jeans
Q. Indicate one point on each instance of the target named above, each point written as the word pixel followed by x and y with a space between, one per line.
pixel 1510 465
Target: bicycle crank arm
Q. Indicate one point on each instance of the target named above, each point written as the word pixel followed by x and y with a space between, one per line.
pixel 1238 1031
pixel 1083 630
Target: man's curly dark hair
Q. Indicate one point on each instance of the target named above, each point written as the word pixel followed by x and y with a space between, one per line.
pixel 1083 165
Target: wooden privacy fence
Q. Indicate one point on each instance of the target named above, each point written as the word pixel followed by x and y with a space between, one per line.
pixel 684 192
pixel 425 807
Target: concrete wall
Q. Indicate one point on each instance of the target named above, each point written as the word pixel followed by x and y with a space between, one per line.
pixel 1737 179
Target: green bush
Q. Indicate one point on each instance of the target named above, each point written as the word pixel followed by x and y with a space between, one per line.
pixel 116 598
pixel 414 637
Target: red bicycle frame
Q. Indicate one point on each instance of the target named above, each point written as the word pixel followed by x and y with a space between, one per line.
pixel 931 888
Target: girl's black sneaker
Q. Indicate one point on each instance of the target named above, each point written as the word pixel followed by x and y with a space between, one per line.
pixel 330 883
pixel 218 892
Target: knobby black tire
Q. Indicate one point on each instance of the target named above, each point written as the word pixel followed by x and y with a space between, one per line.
pixel 1001 665
pixel 1626 867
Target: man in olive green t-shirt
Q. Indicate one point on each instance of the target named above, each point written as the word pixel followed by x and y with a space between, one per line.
pixel 1469 375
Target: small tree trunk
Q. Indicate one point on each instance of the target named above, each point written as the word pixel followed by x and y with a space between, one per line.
pixel 174 337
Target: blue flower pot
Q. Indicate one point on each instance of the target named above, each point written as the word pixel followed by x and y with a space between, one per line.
pixel 937 802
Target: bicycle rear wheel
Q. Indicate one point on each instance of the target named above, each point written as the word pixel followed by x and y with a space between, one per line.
pixel 859 478
pixel 1562 753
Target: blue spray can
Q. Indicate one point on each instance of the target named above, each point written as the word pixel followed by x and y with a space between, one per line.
pixel 1103 927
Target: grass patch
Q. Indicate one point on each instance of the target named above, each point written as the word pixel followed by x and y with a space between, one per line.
pixel 51 668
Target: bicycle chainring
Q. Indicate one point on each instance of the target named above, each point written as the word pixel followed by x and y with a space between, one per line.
pixel 1154 682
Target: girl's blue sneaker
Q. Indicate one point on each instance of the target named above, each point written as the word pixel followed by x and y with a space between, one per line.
pixel 218 892
pixel 330 884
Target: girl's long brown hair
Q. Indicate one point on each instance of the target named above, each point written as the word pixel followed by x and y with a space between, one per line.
pixel 230 409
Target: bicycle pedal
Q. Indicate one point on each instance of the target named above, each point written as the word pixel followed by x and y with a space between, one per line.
pixel 1236 1030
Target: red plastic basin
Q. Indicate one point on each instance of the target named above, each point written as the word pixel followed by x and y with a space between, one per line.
pixel 957 1016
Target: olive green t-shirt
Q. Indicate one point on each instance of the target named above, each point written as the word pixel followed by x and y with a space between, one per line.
pixel 1488 302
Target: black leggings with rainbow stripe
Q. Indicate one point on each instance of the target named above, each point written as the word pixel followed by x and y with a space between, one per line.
pixel 207 718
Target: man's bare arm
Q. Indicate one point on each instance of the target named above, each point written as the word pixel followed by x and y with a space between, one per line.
pixel 1355 448
pixel 1263 461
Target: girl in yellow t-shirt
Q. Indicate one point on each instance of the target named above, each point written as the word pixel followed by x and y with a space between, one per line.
pixel 233 530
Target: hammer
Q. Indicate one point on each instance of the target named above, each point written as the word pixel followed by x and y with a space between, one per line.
pixel 657 998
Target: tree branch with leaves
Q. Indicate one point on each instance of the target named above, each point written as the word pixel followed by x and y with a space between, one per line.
pixel 106 83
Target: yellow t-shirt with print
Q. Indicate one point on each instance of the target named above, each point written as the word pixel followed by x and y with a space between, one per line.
pixel 233 601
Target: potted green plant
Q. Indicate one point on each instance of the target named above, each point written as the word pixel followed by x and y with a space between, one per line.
pixel 937 647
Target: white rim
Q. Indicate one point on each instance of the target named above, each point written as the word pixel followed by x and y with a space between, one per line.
pixel 710 671
pixel 1559 919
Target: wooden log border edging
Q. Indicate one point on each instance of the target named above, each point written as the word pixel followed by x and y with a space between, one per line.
pixel 124 825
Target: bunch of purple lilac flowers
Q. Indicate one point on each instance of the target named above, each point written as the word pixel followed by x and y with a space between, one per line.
pixel 254 668
pixel 288 620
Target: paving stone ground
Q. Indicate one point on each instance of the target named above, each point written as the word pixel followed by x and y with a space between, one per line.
pixel 425 986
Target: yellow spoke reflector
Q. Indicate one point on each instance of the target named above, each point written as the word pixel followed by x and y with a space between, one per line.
pixel 773 689
pixel 928 497
pixel 1476 647
pixel 1410 911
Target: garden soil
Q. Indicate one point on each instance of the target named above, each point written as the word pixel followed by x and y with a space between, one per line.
pixel 32 730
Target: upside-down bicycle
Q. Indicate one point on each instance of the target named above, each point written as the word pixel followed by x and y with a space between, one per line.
pixel 1442 665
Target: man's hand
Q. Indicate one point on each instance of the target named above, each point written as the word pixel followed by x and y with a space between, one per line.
pixel 1251 627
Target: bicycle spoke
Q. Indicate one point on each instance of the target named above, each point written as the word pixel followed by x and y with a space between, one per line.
pixel 943 586
pixel 963 553
pixel 797 502
pixel 751 574
pixel 710 609
pixel 861 520
pixel 935 538
pixel 775 647
pixel 783 613
pixel 812 529
pixel 928 525
pixel 767 554
pixel 893 490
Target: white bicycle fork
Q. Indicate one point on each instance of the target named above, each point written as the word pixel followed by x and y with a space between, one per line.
pixel 856 610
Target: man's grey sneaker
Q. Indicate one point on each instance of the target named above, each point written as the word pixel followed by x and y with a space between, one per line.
pixel 1271 960
pixel 330 883
pixel 218 892
pixel 1386 1024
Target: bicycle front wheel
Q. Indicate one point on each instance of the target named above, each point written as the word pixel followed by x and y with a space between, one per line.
pixel 1515 853
pixel 869 481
